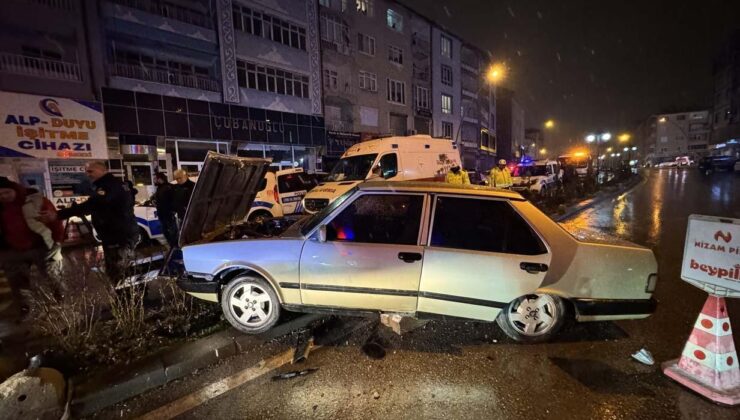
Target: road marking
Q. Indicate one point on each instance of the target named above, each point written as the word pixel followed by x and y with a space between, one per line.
pixel 213 390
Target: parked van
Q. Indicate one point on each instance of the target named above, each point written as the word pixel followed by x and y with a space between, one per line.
pixel 412 158
pixel 581 161
pixel 281 194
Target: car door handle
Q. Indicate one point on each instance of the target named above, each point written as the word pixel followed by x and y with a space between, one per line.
pixel 533 268
pixel 409 257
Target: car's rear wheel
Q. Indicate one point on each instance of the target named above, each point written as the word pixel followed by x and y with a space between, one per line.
pixel 259 216
pixel 533 318
pixel 250 304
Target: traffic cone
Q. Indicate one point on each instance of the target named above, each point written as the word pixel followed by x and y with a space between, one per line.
pixel 708 364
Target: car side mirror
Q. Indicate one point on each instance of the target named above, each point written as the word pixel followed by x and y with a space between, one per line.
pixel 322 233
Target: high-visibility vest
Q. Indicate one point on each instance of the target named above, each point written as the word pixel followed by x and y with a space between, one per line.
pixel 500 178
pixel 460 178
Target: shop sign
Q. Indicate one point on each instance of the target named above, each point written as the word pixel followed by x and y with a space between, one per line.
pixel 69 183
pixel 245 124
pixel 712 253
pixel 341 140
pixel 44 127
pixel 424 112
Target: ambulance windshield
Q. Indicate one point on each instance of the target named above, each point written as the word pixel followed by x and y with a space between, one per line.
pixel 354 168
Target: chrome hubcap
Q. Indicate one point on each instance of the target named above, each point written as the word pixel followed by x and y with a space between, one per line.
pixel 250 304
pixel 533 315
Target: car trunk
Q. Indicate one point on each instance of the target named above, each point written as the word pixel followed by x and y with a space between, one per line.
pixel 222 197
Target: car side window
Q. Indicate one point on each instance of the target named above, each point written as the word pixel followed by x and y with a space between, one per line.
pixel 378 219
pixel 389 165
pixel 483 225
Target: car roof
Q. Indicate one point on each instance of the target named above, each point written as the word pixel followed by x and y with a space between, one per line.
pixel 439 187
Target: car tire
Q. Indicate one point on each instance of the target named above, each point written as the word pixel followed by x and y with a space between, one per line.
pixel 259 216
pixel 533 318
pixel 253 315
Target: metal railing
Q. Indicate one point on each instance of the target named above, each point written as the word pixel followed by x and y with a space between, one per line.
pixel 163 76
pixel 40 67
pixel 169 10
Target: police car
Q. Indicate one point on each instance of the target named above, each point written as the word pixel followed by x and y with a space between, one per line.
pixel 538 177
pixel 281 195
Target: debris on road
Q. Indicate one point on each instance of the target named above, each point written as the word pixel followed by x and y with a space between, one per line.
pixel 401 324
pixel 645 357
pixel 376 395
pixel 294 374
pixel 33 393
pixel 302 350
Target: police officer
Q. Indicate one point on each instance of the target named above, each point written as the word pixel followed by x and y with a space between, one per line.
pixel 183 191
pixel 112 209
pixel 500 177
pixel 457 176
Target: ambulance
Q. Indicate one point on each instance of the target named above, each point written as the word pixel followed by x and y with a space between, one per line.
pixel 412 158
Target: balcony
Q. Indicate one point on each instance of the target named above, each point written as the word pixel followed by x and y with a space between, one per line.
pixel 169 10
pixel 421 73
pixel 39 67
pixel 163 76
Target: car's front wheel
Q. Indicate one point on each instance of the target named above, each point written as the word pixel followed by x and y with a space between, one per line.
pixel 533 318
pixel 250 304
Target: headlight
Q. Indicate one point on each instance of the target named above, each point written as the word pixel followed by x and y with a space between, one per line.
pixel 652 281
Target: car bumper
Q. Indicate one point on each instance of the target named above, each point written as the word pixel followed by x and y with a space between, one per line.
pixel 604 309
pixel 199 286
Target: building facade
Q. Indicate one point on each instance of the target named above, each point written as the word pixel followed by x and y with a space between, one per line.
pixel 510 126
pixel 664 137
pixel 726 117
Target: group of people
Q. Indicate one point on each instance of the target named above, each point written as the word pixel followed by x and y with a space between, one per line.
pixel 31 229
pixel 498 177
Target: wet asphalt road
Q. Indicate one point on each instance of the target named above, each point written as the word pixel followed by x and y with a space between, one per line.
pixel 470 370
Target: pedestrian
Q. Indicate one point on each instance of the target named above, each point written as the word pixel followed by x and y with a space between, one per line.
pixel 183 191
pixel 457 176
pixel 112 209
pixel 164 202
pixel 131 188
pixel 25 241
pixel 500 176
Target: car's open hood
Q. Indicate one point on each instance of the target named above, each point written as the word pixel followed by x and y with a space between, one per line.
pixel 222 196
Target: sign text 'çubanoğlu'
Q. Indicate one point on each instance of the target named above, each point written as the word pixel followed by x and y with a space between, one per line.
pixel 43 127
pixel 712 252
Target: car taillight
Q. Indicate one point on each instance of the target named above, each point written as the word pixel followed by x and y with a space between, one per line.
pixel 651 283
pixel 277 196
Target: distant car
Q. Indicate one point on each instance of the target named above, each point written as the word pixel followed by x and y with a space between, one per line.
pixel 414 248
pixel 538 177
pixel 667 165
pixel 722 159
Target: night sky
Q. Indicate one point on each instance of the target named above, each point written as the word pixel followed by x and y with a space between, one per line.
pixel 596 65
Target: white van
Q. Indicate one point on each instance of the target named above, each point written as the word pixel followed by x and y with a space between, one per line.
pixel 412 158
pixel 538 177
pixel 281 194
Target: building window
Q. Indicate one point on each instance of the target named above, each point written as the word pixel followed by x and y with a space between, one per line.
pixel 368 81
pixel 395 55
pixel 365 7
pixel 394 20
pixel 269 79
pixel 333 30
pixel 325 3
pixel 446 75
pixel 330 79
pixel 681 117
pixel 422 98
pixel 396 92
pixel 268 26
pixel 446 47
pixel 446 104
pixel 366 44
pixel 447 130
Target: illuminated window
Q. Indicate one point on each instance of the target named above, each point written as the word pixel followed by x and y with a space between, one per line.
pixel 394 20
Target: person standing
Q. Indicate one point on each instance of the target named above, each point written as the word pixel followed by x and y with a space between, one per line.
pixel 164 202
pixel 183 191
pixel 112 209
pixel 500 177
pixel 457 176
pixel 26 241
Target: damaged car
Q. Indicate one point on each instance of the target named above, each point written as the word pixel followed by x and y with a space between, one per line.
pixel 418 249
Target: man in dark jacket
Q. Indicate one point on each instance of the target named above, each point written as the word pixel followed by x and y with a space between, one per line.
pixel 183 191
pixel 112 209
pixel 25 241
pixel 164 201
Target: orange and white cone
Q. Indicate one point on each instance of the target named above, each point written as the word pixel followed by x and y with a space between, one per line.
pixel 708 364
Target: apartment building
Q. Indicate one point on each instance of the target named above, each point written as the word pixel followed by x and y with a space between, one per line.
pixel 663 137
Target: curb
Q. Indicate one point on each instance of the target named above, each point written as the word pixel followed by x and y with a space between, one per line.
pixel 114 386
pixel 598 198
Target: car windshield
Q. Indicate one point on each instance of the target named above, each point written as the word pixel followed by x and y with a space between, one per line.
pixel 539 170
pixel 353 168
pixel 312 222
pixel 298 181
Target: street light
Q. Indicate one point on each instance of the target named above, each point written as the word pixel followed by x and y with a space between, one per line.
pixel 624 137
pixel 662 119
pixel 634 148
pixel 625 149
pixel 590 138
pixel 608 149
pixel 549 124
pixel 606 136
pixel 543 151
pixel 496 73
